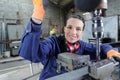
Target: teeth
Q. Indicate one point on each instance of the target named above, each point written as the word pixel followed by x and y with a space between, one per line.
pixel 73 37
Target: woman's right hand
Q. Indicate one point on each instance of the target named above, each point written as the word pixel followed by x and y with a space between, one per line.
pixel 39 8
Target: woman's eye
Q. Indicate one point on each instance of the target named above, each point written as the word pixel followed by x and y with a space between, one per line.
pixel 69 27
pixel 78 29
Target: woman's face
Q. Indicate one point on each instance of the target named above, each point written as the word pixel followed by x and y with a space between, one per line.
pixel 73 30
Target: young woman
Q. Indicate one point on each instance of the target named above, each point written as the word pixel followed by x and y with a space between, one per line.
pixel 46 51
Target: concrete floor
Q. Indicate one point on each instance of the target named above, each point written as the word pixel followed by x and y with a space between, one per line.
pixel 24 72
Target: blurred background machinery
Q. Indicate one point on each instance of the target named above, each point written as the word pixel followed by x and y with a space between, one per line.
pixel 15 15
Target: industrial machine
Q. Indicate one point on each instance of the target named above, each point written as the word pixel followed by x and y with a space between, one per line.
pixel 80 67
pixel 72 61
pixel 14 48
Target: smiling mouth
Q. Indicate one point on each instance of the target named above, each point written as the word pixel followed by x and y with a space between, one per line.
pixel 72 37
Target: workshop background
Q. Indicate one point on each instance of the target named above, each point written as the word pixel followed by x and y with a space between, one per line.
pixel 14 16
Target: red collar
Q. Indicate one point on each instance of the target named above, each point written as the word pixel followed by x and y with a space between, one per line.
pixel 73 47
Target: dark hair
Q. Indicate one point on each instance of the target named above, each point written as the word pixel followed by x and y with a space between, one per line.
pixel 78 17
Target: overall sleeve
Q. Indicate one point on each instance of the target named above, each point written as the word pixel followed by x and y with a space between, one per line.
pixel 31 48
pixel 91 49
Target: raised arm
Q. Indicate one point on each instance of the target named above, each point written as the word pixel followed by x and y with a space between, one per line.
pixel 30 42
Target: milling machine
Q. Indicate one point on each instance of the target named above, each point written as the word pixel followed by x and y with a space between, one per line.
pixel 80 67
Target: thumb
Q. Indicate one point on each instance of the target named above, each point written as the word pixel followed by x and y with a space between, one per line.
pixel 45 4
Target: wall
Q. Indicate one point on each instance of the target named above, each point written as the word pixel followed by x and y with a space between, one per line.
pixel 113 7
pixel 54 16
pixel 16 14
pixel 13 11
pixel 22 9
pixel 110 26
pixel 10 8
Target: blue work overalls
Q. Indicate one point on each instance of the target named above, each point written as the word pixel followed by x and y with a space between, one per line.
pixel 46 51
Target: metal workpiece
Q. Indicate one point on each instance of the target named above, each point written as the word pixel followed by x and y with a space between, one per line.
pixel 72 75
pixel 115 73
pixel 80 67
pixel 72 61
pixel 102 70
